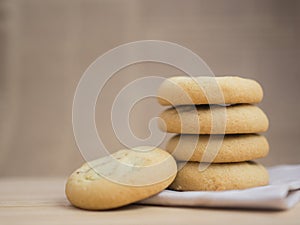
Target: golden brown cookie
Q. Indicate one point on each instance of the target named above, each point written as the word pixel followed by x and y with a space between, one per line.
pixel 130 176
pixel 184 90
pixel 220 176
pixel 239 119
pixel 232 148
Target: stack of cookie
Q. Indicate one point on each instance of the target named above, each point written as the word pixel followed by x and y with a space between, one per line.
pixel 197 116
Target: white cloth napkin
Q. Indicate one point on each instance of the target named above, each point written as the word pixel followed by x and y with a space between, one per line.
pixel 282 193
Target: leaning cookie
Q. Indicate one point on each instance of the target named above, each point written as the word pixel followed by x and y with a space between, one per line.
pixel 218 148
pixel 219 177
pixel 203 119
pixel 209 90
pixel 125 177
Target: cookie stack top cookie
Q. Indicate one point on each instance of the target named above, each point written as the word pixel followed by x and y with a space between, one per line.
pixel 194 90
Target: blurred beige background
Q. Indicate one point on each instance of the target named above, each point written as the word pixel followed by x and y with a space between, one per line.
pixel 45 46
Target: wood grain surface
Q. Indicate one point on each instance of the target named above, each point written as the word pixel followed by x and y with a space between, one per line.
pixel 42 201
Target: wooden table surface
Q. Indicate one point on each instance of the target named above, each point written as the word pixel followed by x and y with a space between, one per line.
pixel 42 201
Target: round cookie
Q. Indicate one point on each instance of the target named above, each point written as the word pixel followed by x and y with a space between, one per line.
pixel 239 119
pixel 144 172
pixel 219 177
pixel 184 90
pixel 233 148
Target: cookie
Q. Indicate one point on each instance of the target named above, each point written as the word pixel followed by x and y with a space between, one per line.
pixel 124 177
pixel 184 90
pixel 219 177
pixel 222 149
pixel 239 119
